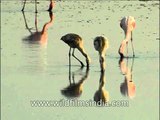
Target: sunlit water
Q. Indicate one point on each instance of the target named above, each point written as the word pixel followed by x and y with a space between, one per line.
pixel 40 71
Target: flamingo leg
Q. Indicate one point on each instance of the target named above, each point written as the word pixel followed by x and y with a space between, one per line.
pixel 25 21
pixel 70 75
pixel 69 56
pixel 73 78
pixel 50 6
pixel 77 58
pixel 23 5
pixel 36 22
pixel 36 6
pixel 132 45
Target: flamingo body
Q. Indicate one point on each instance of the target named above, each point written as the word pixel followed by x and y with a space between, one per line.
pixel 101 45
pixel 128 24
pixel 75 41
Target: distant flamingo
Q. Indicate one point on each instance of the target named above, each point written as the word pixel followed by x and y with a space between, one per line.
pixel 75 41
pixel 128 25
pixel 51 5
pixel 101 45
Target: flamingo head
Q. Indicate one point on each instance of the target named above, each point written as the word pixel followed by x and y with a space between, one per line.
pixel 128 23
pixel 100 43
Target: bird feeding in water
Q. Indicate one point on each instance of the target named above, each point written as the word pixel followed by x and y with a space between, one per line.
pixel 128 25
pixel 75 41
pixel 101 45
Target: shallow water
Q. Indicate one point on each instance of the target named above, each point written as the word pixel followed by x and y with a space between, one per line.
pixel 39 71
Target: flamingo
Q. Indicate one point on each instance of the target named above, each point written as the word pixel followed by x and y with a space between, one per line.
pixel 128 25
pixel 75 41
pixel 51 5
pixel 101 45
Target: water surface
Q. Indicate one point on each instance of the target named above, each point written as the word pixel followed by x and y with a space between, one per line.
pixel 39 70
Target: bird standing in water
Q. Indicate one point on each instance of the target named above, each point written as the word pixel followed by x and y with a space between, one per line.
pixel 51 5
pixel 75 41
pixel 128 25
pixel 101 45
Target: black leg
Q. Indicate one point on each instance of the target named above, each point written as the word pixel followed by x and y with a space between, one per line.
pixel 36 6
pixel 70 75
pixel 36 22
pixel 23 5
pixel 132 45
pixel 69 56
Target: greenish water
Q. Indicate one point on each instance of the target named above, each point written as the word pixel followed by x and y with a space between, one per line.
pixel 31 71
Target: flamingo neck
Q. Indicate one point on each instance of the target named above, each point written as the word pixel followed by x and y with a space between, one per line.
pixel 102 62
pixel 88 60
pixel 128 36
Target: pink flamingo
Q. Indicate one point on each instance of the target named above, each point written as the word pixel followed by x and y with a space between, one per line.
pixel 51 5
pixel 128 25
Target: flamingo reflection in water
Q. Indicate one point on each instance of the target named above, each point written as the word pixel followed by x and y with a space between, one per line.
pixel 102 95
pixel 74 89
pixel 51 5
pixel 40 37
pixel 101 45
pixel 128 87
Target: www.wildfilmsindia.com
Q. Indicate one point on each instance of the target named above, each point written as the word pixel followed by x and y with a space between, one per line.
pixel 78 103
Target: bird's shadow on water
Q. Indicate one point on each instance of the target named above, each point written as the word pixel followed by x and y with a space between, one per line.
pixel 75 88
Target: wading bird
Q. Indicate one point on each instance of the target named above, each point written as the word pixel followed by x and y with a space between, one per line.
pixel 128 25
pixel 75 41
pixel 51 5
pixel 101 45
